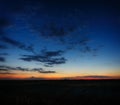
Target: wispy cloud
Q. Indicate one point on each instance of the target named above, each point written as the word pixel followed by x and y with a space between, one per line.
pixel 17 44
pixel 9 69
pixel 89 77
pixel 41 70
pixel 55 30
pixel 5 73
pixel 48 58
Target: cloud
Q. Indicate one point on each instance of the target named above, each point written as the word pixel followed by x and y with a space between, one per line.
pixel 21 69
pixel 52 53
pixel 9 69
pixel 69 36
pixel 37 69
pixel 84 41
pixel 3 69
pixel 48 58
pixel 17 44
pixel 40 70
pixel 48 61
pixel 91 50
pixel 13 42
pixel 60 33
pixel 2 59
pixel 55 61
pixel 47 72
pixel 4 73
pixel 97 77
pixel 88 77
pixel 55 30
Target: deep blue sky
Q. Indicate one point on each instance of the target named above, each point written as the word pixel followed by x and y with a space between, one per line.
pixel 65 38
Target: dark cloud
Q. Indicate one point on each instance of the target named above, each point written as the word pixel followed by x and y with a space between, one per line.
pixel 69 36
pixel 47 61
pixel 55 61
pixel 2 59
pixel 97 77
pixel 9 69
pixel 4 73
pixel 48 58
pixel 92 50
pixel 52 53
pixel 22 69
pixel 54 30
pixel 17 44
pixel 88 77
pixel 47 72
pixel 84 41
pixel 37 69
pixel 40 70
pixel 13 42
pixel 3 69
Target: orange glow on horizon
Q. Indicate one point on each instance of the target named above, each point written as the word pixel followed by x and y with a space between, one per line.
pixel 55 76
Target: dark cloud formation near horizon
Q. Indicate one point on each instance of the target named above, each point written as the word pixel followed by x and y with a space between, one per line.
pixel 88 77
pixel 4 73
pixel 97 77
pixel 9 69
pixel 40 70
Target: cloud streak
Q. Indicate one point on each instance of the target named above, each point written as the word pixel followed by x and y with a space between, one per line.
pixel 48 58
pixel 9 69
pixel 40 70
pixel 88 77
pixel 17 44
pixel 55 30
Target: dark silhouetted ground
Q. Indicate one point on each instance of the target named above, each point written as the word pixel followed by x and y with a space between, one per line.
pixel 64 92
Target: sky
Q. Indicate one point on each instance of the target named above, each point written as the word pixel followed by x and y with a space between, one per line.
pixel 48 39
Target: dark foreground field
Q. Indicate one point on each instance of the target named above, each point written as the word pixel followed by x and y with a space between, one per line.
pixel 60 92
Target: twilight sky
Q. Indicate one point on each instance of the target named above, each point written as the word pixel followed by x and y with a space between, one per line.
pixel 47 39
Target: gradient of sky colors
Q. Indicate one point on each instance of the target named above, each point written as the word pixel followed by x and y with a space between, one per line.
pixel 43 39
